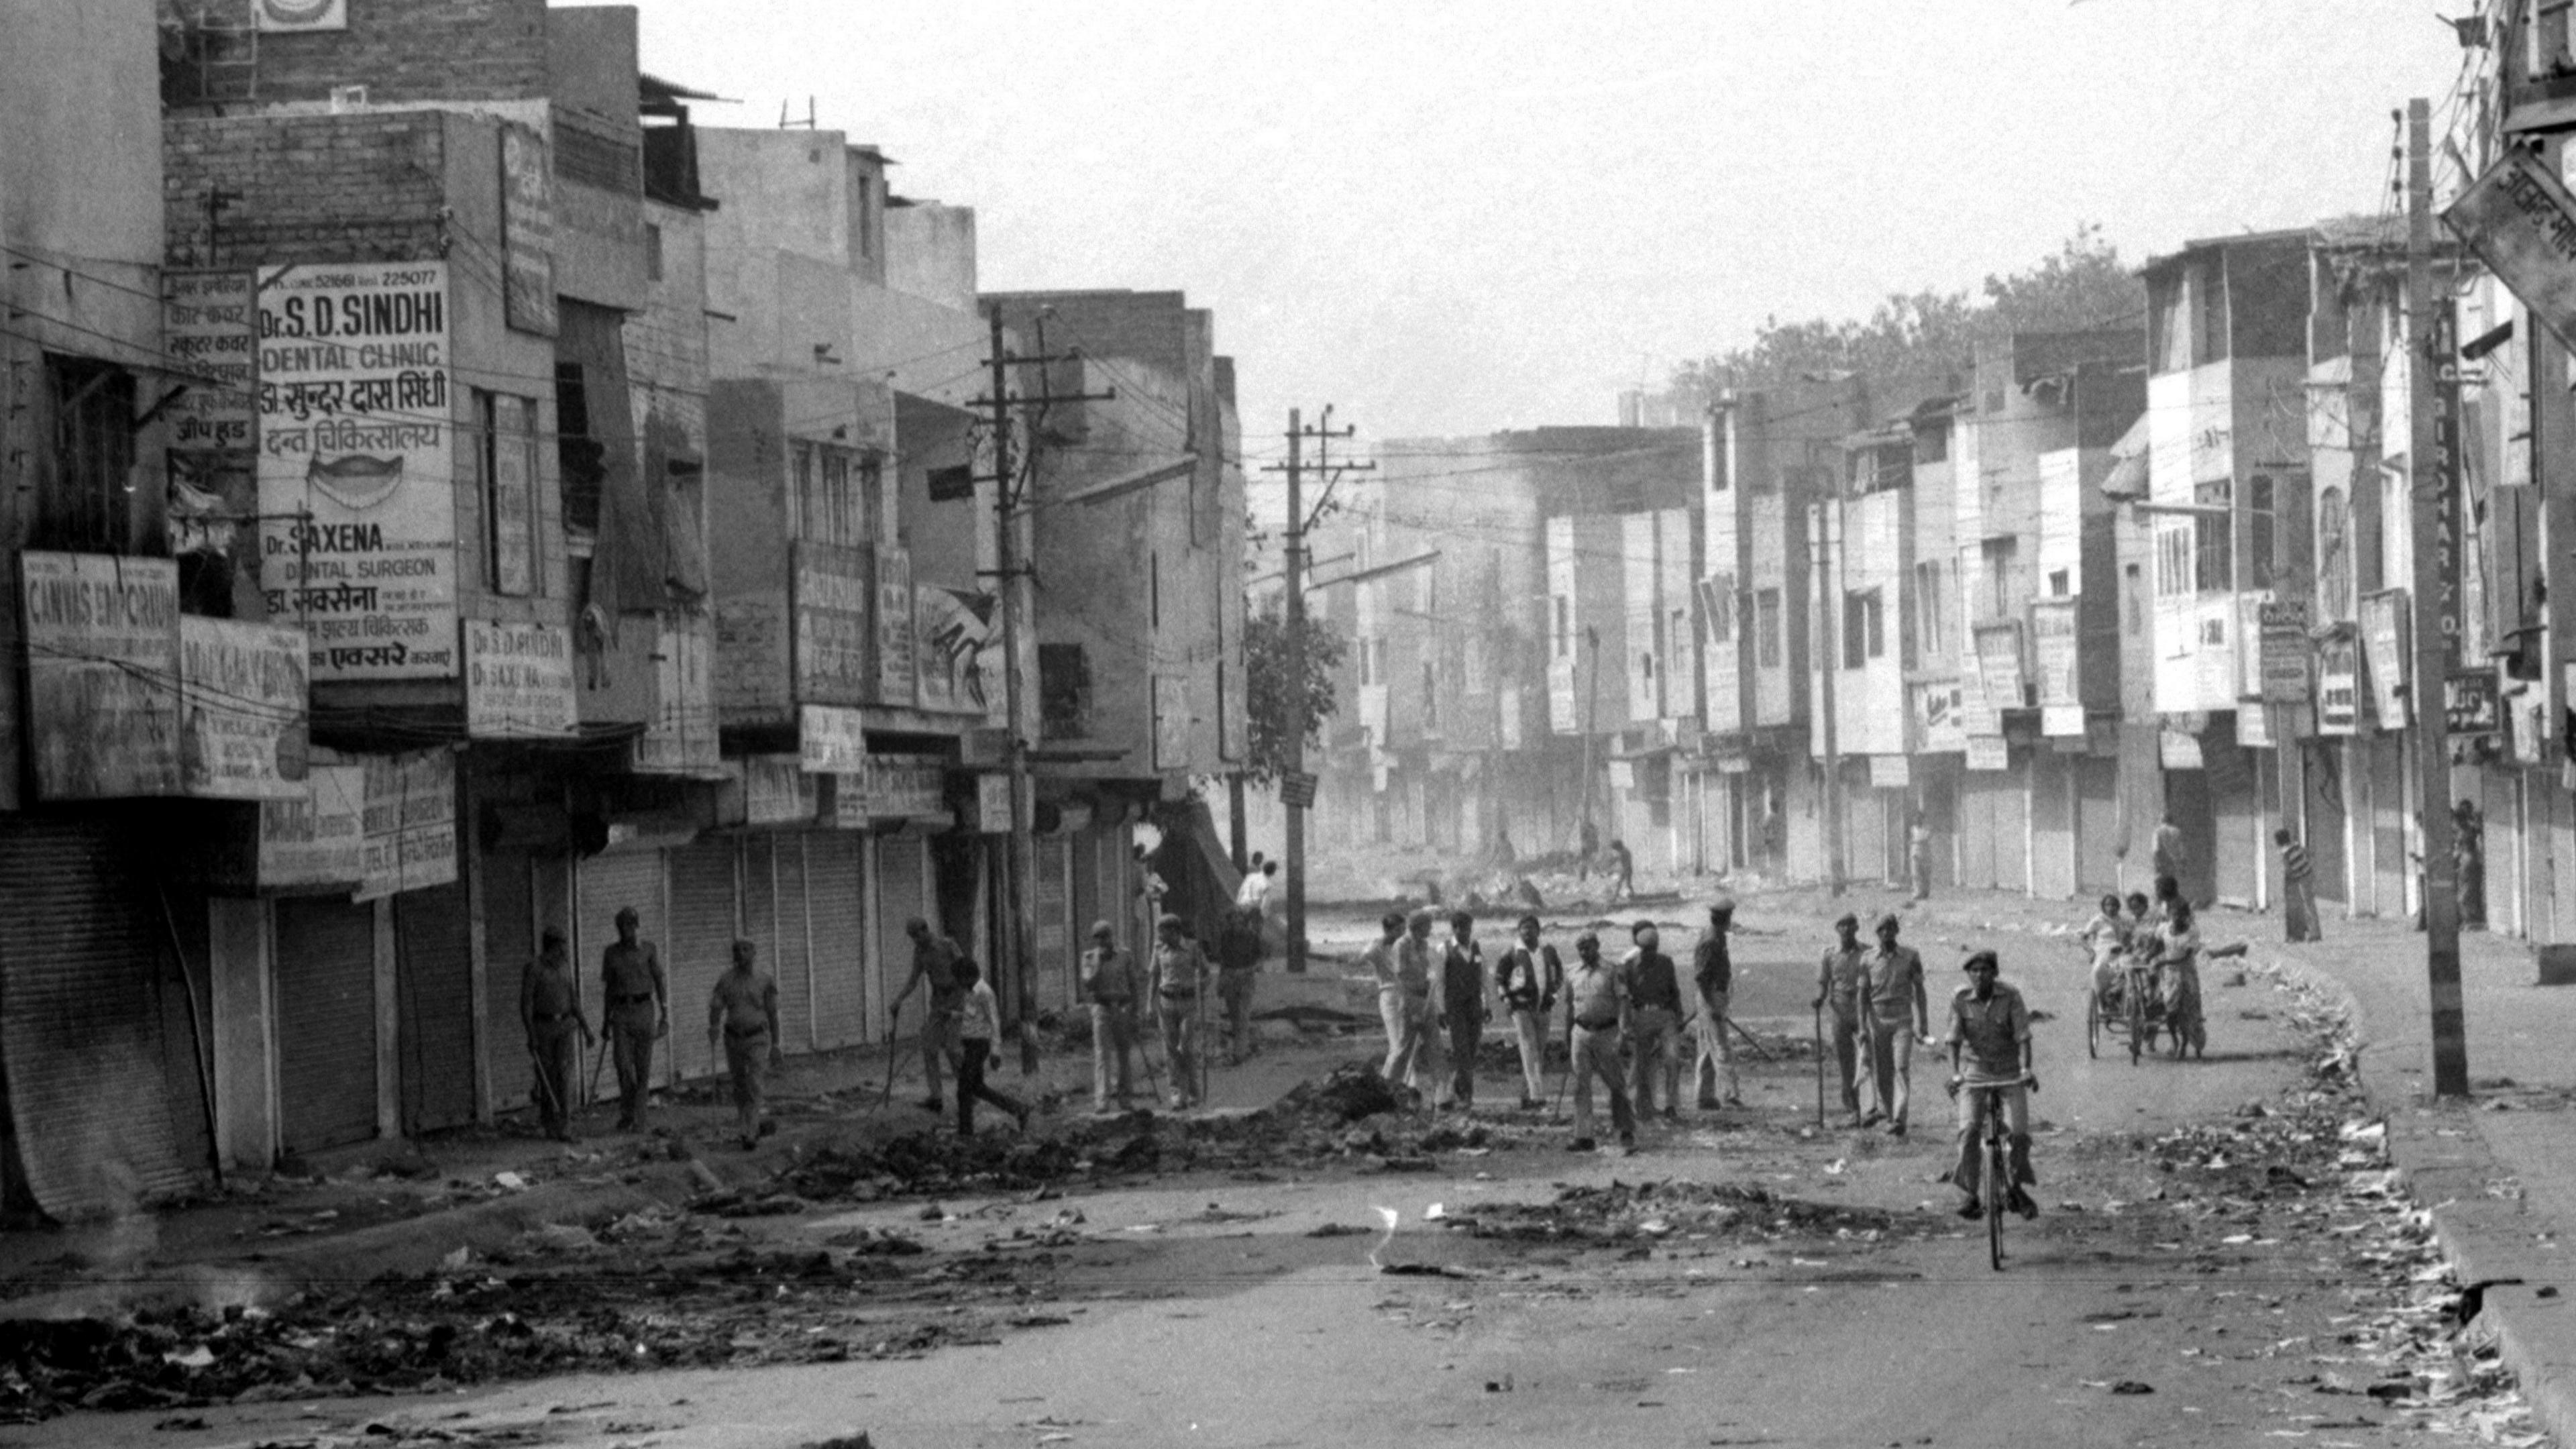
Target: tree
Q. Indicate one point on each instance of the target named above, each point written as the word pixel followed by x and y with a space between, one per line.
pixel 2083 286
pixel 1267 697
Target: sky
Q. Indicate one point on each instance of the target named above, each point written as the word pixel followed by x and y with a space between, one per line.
pixel 1454 218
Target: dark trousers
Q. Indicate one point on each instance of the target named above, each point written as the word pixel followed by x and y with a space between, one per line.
pixel 556 1052
pixel 1466 1033
pixel 971 1056
pixel 631 1045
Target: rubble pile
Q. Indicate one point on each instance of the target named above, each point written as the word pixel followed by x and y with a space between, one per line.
pixel 1626 1212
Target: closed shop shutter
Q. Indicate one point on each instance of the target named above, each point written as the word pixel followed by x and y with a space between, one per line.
pixel 2012 830
pixel 509 946
pixel 702 929
pixel 434 974
pixel 2097 824
pixel 774 900
pixel 1977 830
pixel 836 914
pixel 1054 984
pixel 2236 799
pixel 2052 805
pixel 899 898
pixel 326 1021
pixel 607 884
pixel 82 1038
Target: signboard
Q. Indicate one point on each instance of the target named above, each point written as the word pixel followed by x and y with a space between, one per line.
pixel 1988 752
pixel 993 804
pixel 357 466
pixel 1999 664
pixel 2383 644
pixel 777 791
pixel 2177 751
pixel 286 15
pixel 102 674
pixel 242 710
pixel 2471 704
pixel 842 802
pixel 951 627
pixel 206 323
pixel 2052 651
pixel 2521 222
pixel 513 531
pixel 2339 684
pixel 2283 627
pixel 1889 772
pixel 2061 721
pixel 831 740
pixel 898 662
pixel 2447 523
pixel 1941 719
pixel 834 628
pixel 1297 789
pixel 527 231
pixel 907 787
pixel 410 823
pixel 2254 726
pixel 316 836
pixel 518 682
pixel 680 738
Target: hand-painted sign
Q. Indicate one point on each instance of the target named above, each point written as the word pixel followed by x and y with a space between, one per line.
pixel 2339 684
pixel 357 466
pixel 2383 644
pixel 242 710
pixel 2285 651
pixel 2521 221
pixel 832 740
pixel 519 682
pixel 834 625
pixel 102 674
pixel 316 837
pixel 527 231
pixel 898 653
pixel 410 823
pixel 206 321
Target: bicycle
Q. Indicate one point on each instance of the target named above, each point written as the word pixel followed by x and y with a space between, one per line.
pixel 2132 1009
pixel 1995 1186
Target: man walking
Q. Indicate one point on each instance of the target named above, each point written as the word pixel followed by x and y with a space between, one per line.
pixel 636 1013
pixel 1623 871
pixel 2170 855
pixel 1404 995
pixel 550 1012
pixel 934 964
pixel 1238 963
pixel 1654 1023
pixel 1463 1008
pixel 742 1013
pixel 2298 889
pixel 1179 974
pixel 1596 996
pixel 1713 977
pixel 1109 983
pixel 1529 976
pixel 1899 1016
pixel 1839 982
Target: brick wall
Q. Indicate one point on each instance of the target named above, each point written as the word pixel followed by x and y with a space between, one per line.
pixel 320 188
pixel 409 50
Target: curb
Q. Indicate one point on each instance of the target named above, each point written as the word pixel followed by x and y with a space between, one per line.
pixel 2478 1234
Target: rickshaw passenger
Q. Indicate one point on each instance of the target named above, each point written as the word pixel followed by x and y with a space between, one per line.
pixel 2106 936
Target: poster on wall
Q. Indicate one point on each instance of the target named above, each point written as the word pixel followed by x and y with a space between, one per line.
pixel 2383 644
pixel 357 466
pixel 242 710
pixel 206 322
pixel 2285 651
pixel 898 679
pixel 527 231
pixel 2339 684
pixel 102 674
pixel 410 823
pixel 953 628
pixel 519 682
pixel 1940 719
pixel 317 836
pixel 831 740
pixel 2053 653
pixel 834 630
pixel 1999 664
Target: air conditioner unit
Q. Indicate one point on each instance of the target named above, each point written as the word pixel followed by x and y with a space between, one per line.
pixel 348 98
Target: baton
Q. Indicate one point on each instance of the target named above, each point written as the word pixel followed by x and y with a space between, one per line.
pixel 1820 1066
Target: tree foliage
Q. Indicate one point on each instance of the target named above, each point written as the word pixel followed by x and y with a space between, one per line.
pixel 1267 688
pixel 2082 286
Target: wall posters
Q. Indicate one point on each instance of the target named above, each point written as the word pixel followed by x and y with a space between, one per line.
pixel 2472 704
pixel 680 738
pixel 1999 664
pixel 835 625
pixel 317 836
pixel 952 627
pixel 102 674
pixel 410 823
pixel 242 710
pixel 527 231
pixel 993 804
pixel 830 739
pixel 1940 719
pixel 897 653
pixel 357 466
pixel 907 787
pixel 1988 752
pixel 2285 650
pixel 2339 684
pixel 2052 652
pixel 2383 646
pixel 519 683
pixel 777 791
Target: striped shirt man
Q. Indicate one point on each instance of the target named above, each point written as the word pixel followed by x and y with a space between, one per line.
pixel 2295 864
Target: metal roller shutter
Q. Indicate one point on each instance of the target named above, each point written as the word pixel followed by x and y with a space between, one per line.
pixel 326 1021
pixel 82 1037
pixel 837 916
pixel 1053 988
pixel 900 897
pixel 509 945
pixel 795 956
pixel 607 884
pixel 702 928
pixel 434 972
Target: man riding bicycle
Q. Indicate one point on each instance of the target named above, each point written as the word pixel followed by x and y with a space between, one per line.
pixel 1990 1059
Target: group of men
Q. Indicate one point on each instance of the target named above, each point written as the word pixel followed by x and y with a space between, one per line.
pixel 1177 981
pixel 1435 998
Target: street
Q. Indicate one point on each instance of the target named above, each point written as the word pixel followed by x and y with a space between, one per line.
pixel 2219 1257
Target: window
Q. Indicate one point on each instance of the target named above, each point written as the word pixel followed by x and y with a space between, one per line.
pixel 2129 601
pixel 2173 560
pixel 2060 583
pixel 1564 632
pixel 2260 532
pixel 1864 629
pixel 1430 696
pixel 1931 612
pixel 836 494
pixel 89 500
pixel 1717 606
pixel 1766 627
pixel 505 466
pixel 652 252
pixel 1154 589
pixel 1995 595
pixel 2213 550
pixel 2209 310
pixel 1064 691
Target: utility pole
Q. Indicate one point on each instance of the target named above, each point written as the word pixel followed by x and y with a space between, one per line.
pixel 1010 516
pixel 1296 789
pixel 2432 355
pixel 1829 657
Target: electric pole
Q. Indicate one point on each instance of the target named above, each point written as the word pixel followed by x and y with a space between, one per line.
pixel 1297 787
pixel 1010 516
pixel 1829 657
pixel 2432 463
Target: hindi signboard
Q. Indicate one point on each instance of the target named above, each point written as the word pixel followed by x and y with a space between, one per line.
pixel 831 739
pixel 206 322
pixel 2053 652
pixel 102 674
pixel 527 231
pixel 834 625
pixel 357 466
pixel 2471 704
pixel 410 823
pixel 518 682
pixel 908 787
pixel 317 836
pixel 776 790
pixel 1988 752
pixel 242 708
pixel 1999 664
pixel 898 679
pixel 2383 644
pixel 2520 220
pixel 2283 625
pixel 2339 684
